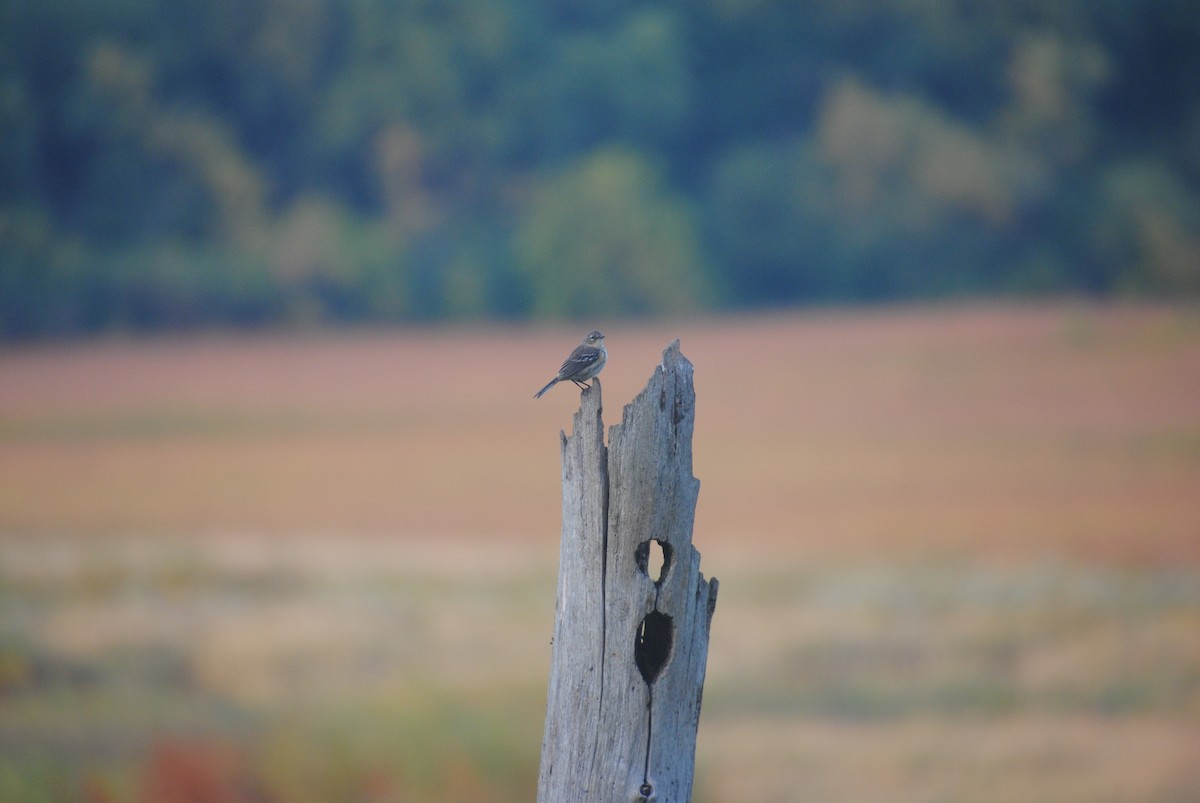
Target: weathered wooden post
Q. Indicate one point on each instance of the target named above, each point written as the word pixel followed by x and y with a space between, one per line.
pixel 627 672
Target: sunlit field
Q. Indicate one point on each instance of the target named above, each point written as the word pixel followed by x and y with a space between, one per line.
pixel 959 553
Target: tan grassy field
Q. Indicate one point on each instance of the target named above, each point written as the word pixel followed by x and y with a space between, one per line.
pixel 959 550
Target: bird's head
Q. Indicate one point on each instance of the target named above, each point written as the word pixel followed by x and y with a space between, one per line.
pixel 594 338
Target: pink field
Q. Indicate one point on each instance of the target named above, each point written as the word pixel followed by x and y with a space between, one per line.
pixel 996 431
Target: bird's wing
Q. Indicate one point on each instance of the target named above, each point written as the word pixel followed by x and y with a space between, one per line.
pixel 580 358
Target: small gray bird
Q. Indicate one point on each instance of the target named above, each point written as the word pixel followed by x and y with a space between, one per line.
pixel 584 363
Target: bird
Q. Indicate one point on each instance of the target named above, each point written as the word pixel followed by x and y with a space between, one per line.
pixel 584 363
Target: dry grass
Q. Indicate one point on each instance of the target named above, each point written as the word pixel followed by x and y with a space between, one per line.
pixel 1069 759
pixel 337 666
pixel 959 551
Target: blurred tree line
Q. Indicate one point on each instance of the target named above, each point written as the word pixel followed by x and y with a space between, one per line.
pixel 247 162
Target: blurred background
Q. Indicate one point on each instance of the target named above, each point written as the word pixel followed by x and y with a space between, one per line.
pixel 278 279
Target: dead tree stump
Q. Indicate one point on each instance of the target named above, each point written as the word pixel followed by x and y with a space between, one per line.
pixel 630 640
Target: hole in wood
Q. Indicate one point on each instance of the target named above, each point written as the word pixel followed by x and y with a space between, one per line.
pixel 654 559
pixel 653 645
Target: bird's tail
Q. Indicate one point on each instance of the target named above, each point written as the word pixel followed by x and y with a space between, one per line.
pixel 549 385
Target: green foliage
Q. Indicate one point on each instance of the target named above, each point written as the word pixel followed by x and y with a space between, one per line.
pixel 447 746
pixel 45 780
pixel 161 164
pixel 759 215
pixel 331 265
pixel 630 83
pixel 605 237
pixel 1148 229
pixel 42 282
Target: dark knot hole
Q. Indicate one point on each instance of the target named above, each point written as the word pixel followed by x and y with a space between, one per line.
pixel 652 647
